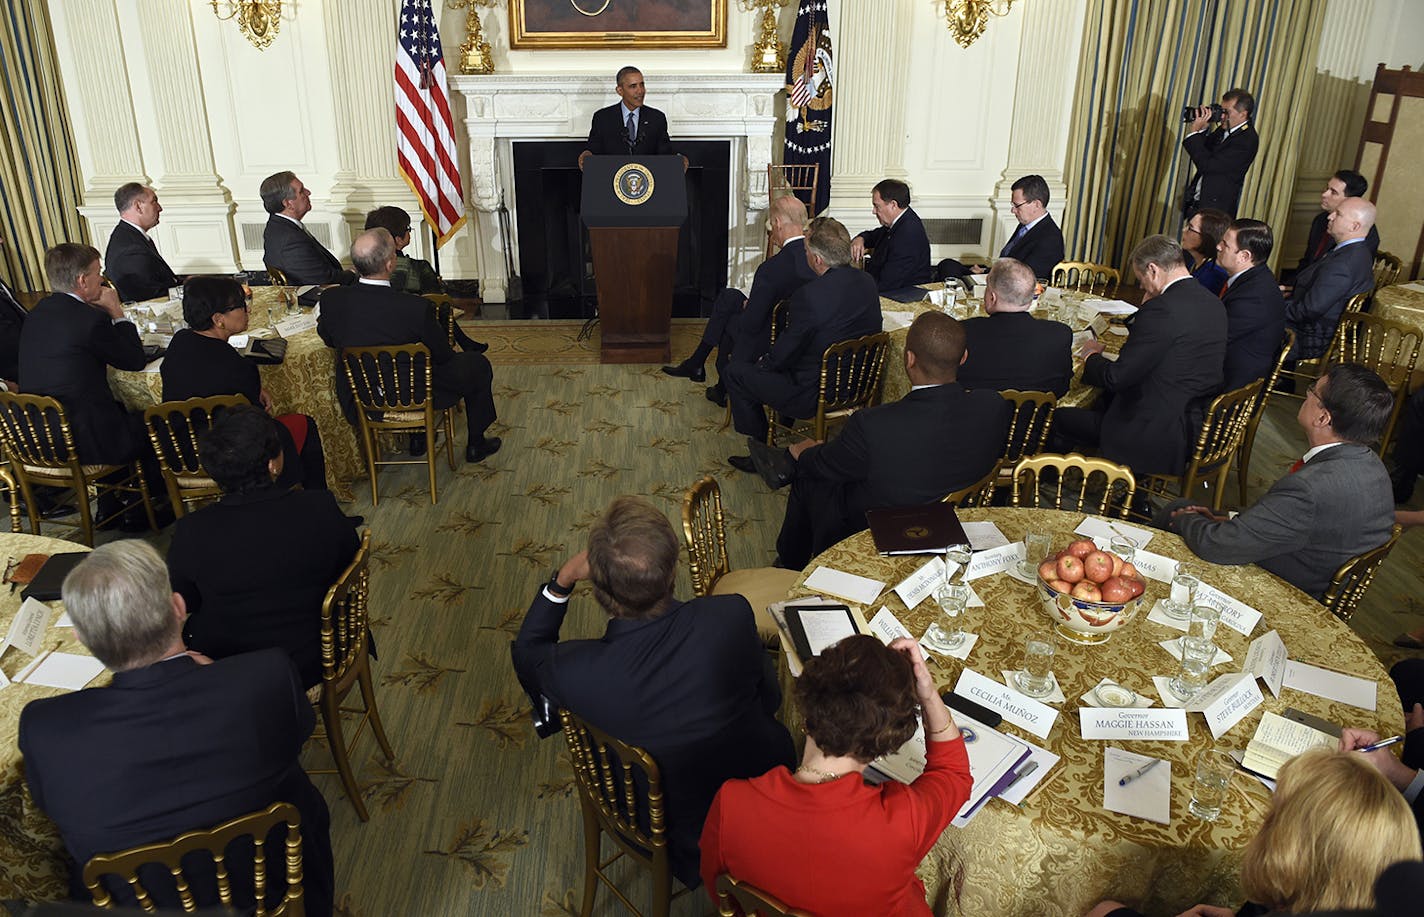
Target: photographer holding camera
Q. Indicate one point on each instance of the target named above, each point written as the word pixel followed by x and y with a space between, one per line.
pixel 1221 155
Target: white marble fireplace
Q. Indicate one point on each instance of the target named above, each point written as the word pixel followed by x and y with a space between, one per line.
pixel 740 108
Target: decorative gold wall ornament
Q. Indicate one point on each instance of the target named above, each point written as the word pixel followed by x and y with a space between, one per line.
pixel 475 54
pixel 768 53
pixel 258 20
pixel 967 19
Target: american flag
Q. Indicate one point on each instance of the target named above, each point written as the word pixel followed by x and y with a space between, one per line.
pixel 801 91
pixel 425 136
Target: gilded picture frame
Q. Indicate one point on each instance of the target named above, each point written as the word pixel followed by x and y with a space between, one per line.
pixel 611 24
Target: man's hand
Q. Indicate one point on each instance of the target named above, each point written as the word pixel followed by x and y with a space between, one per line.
pixel 1286 291
pixel 199 658
pixel 587 153
pixel 573 570
pixel 1202 119
pixel 1199 510
pixel 1414 718
pixel 1394 770
pixel 108 301
pixel 264 397
pixel 795 449
pixel 684 162
pixel 857 248
pixel 1092 346
pixel 978 268
pixel 1405 517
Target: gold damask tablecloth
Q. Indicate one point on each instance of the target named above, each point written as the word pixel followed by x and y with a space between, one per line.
pixel 1061 852
pixel 32 862
pixel 1401 304
pixel 303 383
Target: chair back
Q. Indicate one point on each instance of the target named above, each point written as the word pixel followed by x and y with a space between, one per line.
pixel 444 305
pixel 1086 277
pixel 1222 432
pixel 173 429
pixel 749 900
pixel 779 314
pixel 1350 582
pixel 704 530
pixel 344 620
pixel 980 493
pixel 389 378
pixel 1356 303
pixel 797 178
pixel 1081 484
pixel 277 276
pixel 37 436
pixel 619 784
pixel 214 842
pixel 1248 439
pixel 850 375
pixel 1387 269
pixel 1028 427
pixel 1388 347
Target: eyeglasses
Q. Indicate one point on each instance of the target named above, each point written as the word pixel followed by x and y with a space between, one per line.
pixel 1015 207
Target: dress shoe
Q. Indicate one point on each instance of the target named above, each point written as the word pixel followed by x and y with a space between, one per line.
pixel 686 370
pixel 475 347
pixel 1408 641
pixel 418 445
pixel 742 463
pixel 717 395
pixel 482 448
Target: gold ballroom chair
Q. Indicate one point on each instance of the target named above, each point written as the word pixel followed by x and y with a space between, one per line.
pixel 749 900
pixel 1351 581
pixel 445 310
pixel 850 380
pixel 1094 475
pixel 1086 277
pixel 1387 269
pixel 980 493
pixel 173 429
pixel 1220 438
pixel 1248 438
pixel 277 276
pixel 1388 347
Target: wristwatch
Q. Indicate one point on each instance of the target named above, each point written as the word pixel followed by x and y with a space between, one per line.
pixel 557 589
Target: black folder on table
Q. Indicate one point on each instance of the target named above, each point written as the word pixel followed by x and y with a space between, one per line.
pixel 927 529
pixel 797 627
pixel 45 586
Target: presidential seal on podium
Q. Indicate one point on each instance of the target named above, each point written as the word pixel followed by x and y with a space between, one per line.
pixel 633 184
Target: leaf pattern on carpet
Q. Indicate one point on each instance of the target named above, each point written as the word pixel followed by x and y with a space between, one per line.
pixel 605 391
pixel 484 851
pixel 568 906
pixel 464 523
pixel 606 427
pixel 508 623
pixel 411 494
pixel 668 446
pixel 389 788
pixel 345 907
pixel 667 491
pixel 708 424
pixel 501 428
pixel 424 675
pixel 510 392
pixel 554 446
pixel 480 471
pixel 562 784
pixel 547 494
pixel 562 408
pixel 534 553
pixel 566 374
pixel 443 588
pixel 386 554
pixel 600 469
pixel 504 720
pixel 670 408
pixel 586 520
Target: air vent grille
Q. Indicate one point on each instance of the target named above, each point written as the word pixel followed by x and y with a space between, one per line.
pixel 955 232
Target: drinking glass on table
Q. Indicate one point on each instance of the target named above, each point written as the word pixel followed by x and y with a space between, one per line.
pixel 1036 677
pixel 956 561
pixel 1210 782
pixel 1036 546
pixel 1123 547
pixel 289 299
pixel 1203 622
pixel 946 632
pixel 1197 655
pixel 1178 603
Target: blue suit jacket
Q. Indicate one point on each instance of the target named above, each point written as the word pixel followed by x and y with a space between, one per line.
pixel 1255 327
pixel 1040 248
pixel 776 279
pixel 901 254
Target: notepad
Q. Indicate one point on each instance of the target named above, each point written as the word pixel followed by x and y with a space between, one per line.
pixel 859 589
pixel 1148 796
pixel 68 671
pixel 1278 739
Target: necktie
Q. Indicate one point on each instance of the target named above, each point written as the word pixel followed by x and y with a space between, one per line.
pixel 1320 246
pixel 1018 234
pixel 632 132
pixel 1299 464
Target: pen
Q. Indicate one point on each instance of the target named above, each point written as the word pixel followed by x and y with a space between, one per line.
pixel 1028 769
pixel 1139 772
pixel 1382 743
pixel 1123 534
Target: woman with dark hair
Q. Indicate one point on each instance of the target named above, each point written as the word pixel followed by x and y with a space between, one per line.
pixel 1202 233
pixel 200 364
pixel 860 699
pixel 299 540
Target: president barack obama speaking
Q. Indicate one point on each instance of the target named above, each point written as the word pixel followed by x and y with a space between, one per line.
pixel 628 128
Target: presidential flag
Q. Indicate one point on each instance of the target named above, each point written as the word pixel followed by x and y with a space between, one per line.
pixel 810 73
pixel 425 135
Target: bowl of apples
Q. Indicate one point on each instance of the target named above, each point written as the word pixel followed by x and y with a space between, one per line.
pixel 1089 592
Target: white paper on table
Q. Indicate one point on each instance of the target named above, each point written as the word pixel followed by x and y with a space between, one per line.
pixel 1093 527
pixel 994 560
pixel 155 366
pixel 1148 797
pixel 893 321
pixel 825 627
pixel 1267 659
pixel 1110 306
pixel 1054 696
pixel 1158 615
pixel 238 341
pixel 1014 706
pixel 1090 699
pixel 304 289
pixel 1131 723
pixel 1347 689
pixel 920 584
pixel 959 652
pixel 1154 566
pixel 1164 690
pixel 4 681
pixel 1174 647
pixel 1119 330
pixel 295 324
pixel 984 535
pixel 1235 614
pixel 992 755
pixel 888 627
pixel 64 620
pixel 859 589
pixel 1226 701
pixel 1013 572
pixel 68 671
pixel 28 628
pixel 1019 790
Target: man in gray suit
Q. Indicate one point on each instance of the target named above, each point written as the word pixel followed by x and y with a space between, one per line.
pixel 1335 503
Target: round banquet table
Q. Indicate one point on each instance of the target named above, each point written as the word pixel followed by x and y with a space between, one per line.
pixel 303 383
pixel 1401 303
pixel 33 865
pixel 1061 851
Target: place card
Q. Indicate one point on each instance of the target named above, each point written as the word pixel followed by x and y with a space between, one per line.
pixel 1347 689
pixel 1131 787
pixel 1052 697
pixel 1174 646
pixel 888 627
pixel 995 560
pixel 28 628
pixel 859 589
pixel 1014 706
pixel 1090 698
pixel 1235 614
pixel 1226 701
pixel 295 324
pixel 1158 615
pixel 959 652
pixel 1154 566
pixel 920 584
pixel 1093 527
pixel 1267 659
pixel 984 535
pixel 1130 723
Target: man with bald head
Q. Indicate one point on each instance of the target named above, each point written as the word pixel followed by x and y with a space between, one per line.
pixel 1010 349
pixel 371 314
pixel 1322 290
pixel 740 326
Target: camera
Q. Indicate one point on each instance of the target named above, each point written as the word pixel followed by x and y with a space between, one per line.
pixel 1190 113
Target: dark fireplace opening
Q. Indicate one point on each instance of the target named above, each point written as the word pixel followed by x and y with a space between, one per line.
pixel 555 263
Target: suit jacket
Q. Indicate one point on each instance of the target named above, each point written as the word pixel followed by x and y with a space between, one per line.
pixel 134 265
pixel 1040 248
pixel 1255 326
pixel 693 686
pixel 1168 370
pixel 173 747
pixel 1221 163
pixel 900 255
pixel 1321 292
pixel 1318 234
pixel 196 366
pixel 292 250
pixel 608 133
pixel 65 349
pixel 306 542
pixel 776 279
pixel 1338 505
pixel 839 305
pixel 1015 350
pixel 12 322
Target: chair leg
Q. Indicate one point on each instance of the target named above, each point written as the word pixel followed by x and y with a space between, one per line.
pixel 372 456
pixel 146 497
pixel 368 697
pixel 86 518
pixel 591 838
pixel 1243 459
pixel 450 436
pixel 662 888
pixel 331 717
pixel 430 457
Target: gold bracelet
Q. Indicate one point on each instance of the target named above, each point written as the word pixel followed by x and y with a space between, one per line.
pixel 945 728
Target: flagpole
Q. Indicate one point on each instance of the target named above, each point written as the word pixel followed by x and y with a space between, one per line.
pixel 434 248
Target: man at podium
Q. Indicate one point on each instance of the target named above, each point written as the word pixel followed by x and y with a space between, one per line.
pixel 628 128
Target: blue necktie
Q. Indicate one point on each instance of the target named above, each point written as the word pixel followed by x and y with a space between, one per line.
pixel 632 132
pixel 1014 239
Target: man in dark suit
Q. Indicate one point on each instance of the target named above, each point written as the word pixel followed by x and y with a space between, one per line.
pixel 900 250
pixel 1255 308
pixel 690 682
pixel 840 304
pixel 1323 289
pixel 370 314
pixel 132 262
pixel 1037 242
pixel 740 326
pixel 938 438
pixel 286 244
pixel 1222 155
pixel 12 322
pixel 1409 447
pixel 1009 348
pixel 1335 503
pixel 1346 183
pixel 1164 377
pixel 629 128
pixel 186 743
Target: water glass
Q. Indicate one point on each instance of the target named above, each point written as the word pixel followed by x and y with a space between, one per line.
pixel 1197 655
pixel 956 561
pixel 1203 622
pixel 946 632
pixel 1036 546
pixel 1123 547
pixel 289 299
pixel 1179 602
pixel 1036 678
pixel 1210 782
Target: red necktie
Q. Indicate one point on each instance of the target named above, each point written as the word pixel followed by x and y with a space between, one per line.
pixel 1321 245
pixel 1299 464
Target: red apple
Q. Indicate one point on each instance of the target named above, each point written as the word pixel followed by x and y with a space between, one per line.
pixel 1136 585
pixel 1048 569
pixel 1118 564
pixel 1070 568
pixel 1058 585
pixel 1128 571
pixel 1082 548
pixel 1116 590
pixel 1097 566
pixel 1087 592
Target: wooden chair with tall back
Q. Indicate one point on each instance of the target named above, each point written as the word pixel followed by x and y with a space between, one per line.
pixel 1351 581
pixel 621 795
pixel 1248 437
pixel 170 854
pixel 36 435
pixel 173 429
pixel 1086 277
pixel 705 532
pixel 394 393
pixel 1222 432
pixel 1113 482
pixel 796 178
pixel 346 665
pixel 850 380
pixel 735 897
pixel 1388 347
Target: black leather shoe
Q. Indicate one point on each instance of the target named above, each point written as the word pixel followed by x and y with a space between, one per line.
pixel 482 448
pixel 356 521
pixel 418 445
pixel 717 395
pixel 686 370
pixel 742 463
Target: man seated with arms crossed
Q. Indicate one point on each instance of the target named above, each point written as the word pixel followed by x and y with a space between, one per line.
pixel 1255 308
pixel 132 261
pixel 689 682
pixel 371 314
pixel 1323 289
pixel 1343 185
pixel 286 243
pixel 938 438
pixel 1009 348
pixel 176 743
pixel 1335 503
pixel 1038 242
pixel 1165 375
pixel 900 256
pixel 741 324
pixel 839 305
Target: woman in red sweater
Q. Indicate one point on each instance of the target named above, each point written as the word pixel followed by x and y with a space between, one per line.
pixel 820 838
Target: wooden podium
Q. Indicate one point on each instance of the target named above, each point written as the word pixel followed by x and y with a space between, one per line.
pixel 634 208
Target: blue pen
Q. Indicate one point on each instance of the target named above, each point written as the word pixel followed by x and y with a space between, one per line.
pixel 1382 743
